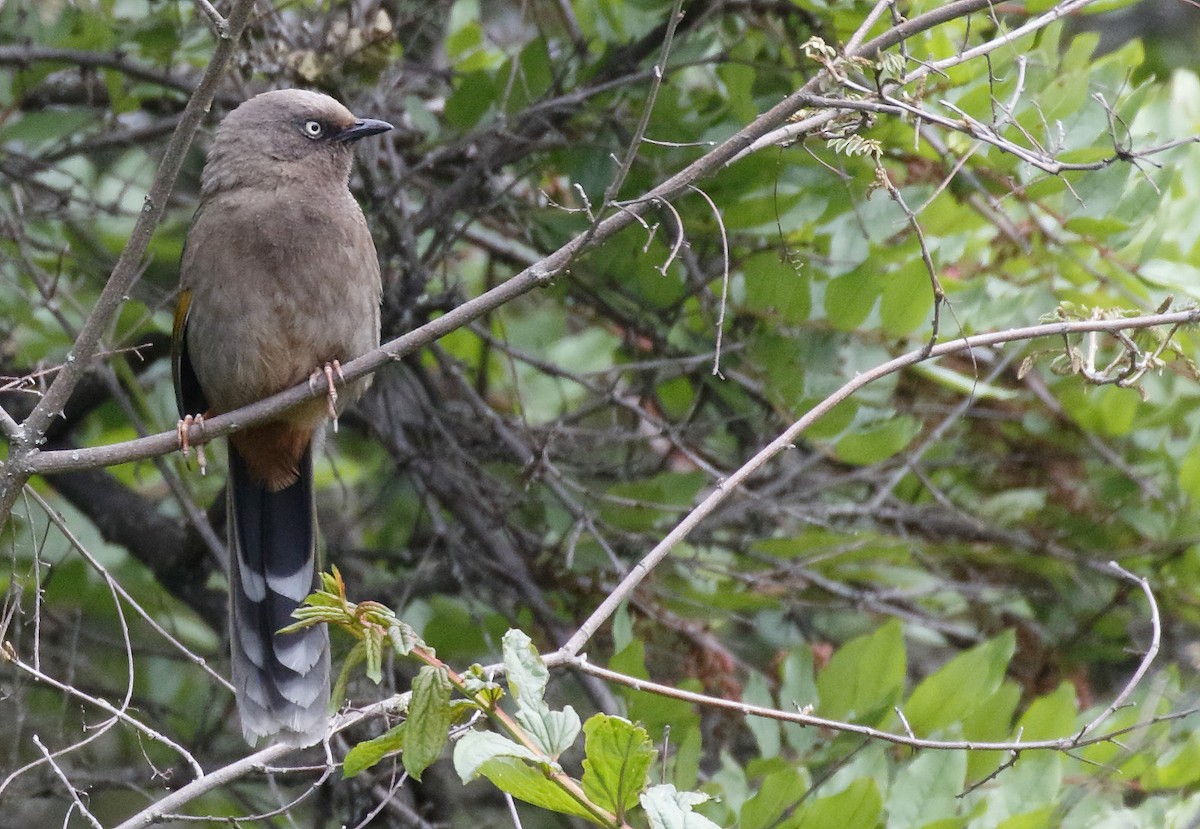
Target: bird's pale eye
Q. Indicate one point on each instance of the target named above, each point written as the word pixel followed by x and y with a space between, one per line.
pixel 314 129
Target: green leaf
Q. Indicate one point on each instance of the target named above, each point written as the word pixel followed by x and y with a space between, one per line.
pixel 907 298
pixel 618 759
pixel 879 442
pixel 353 659
pixel 1051 716
pixel 865 676
pixel 475 95
pixel 776 288
pixel 429 718
pixel 372 643
pixel 667 808
pixel 927 790
pixel 1036 819
pixel 955 689
pixel 1189 472
pixel 404 639
pixel 477 747
pixel 1177 768
pixel 778 792
pixel 850 298
pixel 990 722
pixel 1032 786
pixel 797 691
pixel 526 672
pixel 858 806
pixel 530 784
pixel 515 769
pixel 766 731
pixel 369 752
pixel 553 731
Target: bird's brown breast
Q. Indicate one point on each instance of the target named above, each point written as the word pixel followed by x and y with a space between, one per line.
pixel 282 282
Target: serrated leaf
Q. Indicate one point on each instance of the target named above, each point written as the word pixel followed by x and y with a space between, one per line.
pixel 404 639
pixel 483 691
pixel 553 731
pixel 526 672
pixel 619 756
pixel 478 747
pixel 429 718
pixel 667 808
pixel 372 642
pixel 369 752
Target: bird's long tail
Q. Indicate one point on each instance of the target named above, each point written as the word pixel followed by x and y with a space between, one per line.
pixel 281 680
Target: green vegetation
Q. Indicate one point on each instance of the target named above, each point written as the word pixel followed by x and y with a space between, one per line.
pixel 683 504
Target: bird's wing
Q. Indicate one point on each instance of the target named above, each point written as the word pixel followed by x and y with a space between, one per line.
pixel 189 397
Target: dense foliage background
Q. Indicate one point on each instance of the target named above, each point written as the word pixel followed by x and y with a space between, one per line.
pixel 929 559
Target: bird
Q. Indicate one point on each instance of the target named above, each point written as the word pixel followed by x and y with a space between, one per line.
pixel 279 282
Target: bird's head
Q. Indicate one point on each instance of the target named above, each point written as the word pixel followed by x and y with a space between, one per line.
pixel 282 135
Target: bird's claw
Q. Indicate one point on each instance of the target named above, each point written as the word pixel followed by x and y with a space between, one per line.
pixel 329 371
pixel 182 429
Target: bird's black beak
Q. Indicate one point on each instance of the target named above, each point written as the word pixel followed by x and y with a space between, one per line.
pixel 362 128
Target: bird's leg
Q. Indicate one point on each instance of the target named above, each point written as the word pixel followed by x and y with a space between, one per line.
pixel 329 370
pixel 182 428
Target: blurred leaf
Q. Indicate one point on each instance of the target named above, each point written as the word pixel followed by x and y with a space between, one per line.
pixel 766 731
pixel 952 693
pixel 850 299
pixel 779 792
pixel 1050 716
pixel 858 806
pixel 927 791
pixel 865 677
pixel 878 442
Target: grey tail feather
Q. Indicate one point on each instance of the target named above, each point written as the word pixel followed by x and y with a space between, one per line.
pixel 281 681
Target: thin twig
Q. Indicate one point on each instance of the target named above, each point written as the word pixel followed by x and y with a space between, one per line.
pixel 659 70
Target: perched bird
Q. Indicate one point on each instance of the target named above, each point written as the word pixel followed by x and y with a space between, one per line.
pixel 279 282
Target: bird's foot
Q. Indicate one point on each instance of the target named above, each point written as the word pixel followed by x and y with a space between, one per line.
pixel 182 429
pixel 329 371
